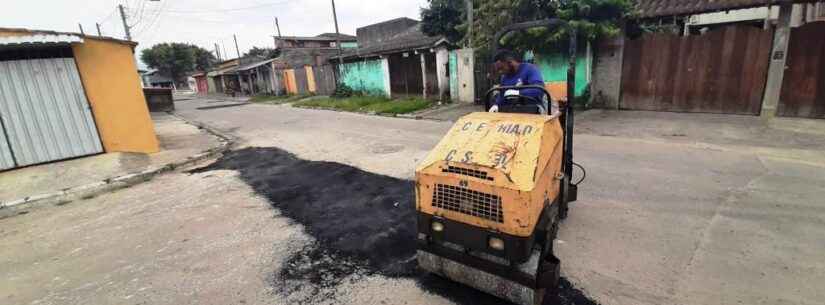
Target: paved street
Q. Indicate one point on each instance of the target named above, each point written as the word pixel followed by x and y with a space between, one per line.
pixel 657 222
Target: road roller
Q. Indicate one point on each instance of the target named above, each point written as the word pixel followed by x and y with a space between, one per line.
pixel 490 197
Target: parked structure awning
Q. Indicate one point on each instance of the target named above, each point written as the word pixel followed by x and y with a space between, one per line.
pixel 255 65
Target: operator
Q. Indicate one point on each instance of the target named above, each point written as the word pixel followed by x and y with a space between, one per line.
pixel 516 73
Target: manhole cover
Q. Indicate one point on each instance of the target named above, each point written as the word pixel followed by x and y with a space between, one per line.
pixel 383 149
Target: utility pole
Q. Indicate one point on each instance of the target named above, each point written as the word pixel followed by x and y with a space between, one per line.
pixel 337 34
pixel 277 27
pixel 218 52
pixel 469 22
pixel 125 25
pixel 81 29
pixel 225 54
pixel 98 29
pixel 237 49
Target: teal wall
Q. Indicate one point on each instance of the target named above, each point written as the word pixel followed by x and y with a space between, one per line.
pixel 553 67
pixel 453 61
pixel 366 76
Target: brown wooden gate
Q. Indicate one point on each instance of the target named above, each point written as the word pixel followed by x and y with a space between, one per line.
pixel 722 71
pixel 803 87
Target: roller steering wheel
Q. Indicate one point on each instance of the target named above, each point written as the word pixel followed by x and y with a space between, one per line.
pixel 521 99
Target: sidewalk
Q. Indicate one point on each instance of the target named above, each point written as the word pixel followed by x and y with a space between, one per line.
pixel 448 112
pixel 63 181
pixel 786 138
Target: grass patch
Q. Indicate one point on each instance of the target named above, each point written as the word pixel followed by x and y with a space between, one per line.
pixel 368 104
pixel 276 99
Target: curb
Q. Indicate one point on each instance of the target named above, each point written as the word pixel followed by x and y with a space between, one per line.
pixel 15 207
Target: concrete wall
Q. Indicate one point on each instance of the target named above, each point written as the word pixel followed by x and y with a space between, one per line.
pixel 553 67
pixel 367 76
pixel 607 73
pixel 112 85
pixel 380 32
pixel 442 72
pixel 453 59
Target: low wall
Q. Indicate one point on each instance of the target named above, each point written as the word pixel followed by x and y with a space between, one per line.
pixel 159 99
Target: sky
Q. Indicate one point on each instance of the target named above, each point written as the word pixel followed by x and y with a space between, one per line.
pixel 204 22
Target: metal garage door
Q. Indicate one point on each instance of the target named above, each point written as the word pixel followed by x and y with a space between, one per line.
pixel 44 110
pixel 721 71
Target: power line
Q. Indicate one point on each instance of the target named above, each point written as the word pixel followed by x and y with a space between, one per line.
pixel 148 26
pixel 109 16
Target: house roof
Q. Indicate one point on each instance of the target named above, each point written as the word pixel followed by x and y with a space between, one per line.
pixel 39 39
pixel 410 39
pixel 342 36
pixel 323 37
pixel 661 8
pixel 255 64
pixel 44 36
pixel 293 58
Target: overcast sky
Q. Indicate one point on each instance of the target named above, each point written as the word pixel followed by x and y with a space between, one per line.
pixel 205 22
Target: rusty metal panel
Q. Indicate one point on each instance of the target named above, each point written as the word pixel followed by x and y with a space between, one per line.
pixel 45 111
pixel 301 82
pixel 803 87
pixel 324 79
pixel 723 71
pixel 405 74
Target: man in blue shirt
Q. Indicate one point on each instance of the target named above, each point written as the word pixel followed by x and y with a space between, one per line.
pixel 516 73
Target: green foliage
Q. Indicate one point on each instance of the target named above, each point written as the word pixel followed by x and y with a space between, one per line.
pixel 265 53
pixel 175 59
pixel 443 17
pixel 591 18
pixel 343 91
pixel 367 104
pixel 277 99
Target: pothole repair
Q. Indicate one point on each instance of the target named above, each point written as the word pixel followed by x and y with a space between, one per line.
pixel 363 224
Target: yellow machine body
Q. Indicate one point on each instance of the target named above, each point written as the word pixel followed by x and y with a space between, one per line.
pixel 495 171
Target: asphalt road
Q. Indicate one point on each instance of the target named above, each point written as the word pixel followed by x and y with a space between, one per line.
pixel 657 222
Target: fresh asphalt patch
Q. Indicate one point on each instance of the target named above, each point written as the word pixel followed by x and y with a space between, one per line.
pixel 363 224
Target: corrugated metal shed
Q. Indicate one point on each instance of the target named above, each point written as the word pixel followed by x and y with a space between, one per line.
pixel 40 39
pixel 45 113
pixel 6 159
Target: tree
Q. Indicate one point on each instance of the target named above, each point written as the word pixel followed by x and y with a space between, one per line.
pixel 266 53
pixel 176 59
pixel 591 18
pixel 443 17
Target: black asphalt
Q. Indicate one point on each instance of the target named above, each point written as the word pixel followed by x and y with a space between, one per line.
pixel 364 223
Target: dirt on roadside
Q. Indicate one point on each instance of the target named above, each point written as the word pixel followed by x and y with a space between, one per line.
pixel 363 224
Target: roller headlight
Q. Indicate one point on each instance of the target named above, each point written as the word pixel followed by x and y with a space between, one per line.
pixel 496 243
pixel 437 226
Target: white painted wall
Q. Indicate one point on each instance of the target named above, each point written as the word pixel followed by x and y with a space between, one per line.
pixel 385 67
pixel 442 60
pixel 801 14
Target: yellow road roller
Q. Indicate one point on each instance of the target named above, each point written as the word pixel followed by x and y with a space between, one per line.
pixel 490 196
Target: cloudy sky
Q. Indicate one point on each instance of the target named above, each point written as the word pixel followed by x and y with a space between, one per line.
pixel 204 22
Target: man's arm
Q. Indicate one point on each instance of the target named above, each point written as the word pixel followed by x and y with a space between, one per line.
pixel 533 77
